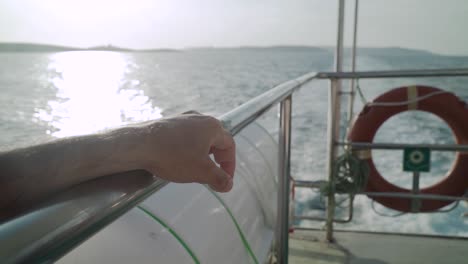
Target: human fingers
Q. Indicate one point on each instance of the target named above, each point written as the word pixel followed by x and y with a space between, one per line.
pixel 226 158
pixel 216 178
pixel 224 151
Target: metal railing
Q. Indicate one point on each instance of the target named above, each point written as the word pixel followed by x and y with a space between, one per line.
pixel 243 115
pixel 52 229
pixel 73 216
pixel 334 106
pixel 246 113
pixel 334 138
pixel 420 73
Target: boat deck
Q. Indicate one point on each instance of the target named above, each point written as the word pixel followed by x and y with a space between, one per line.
pixel 308 246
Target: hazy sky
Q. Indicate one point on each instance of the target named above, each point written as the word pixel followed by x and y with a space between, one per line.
pixel 436 25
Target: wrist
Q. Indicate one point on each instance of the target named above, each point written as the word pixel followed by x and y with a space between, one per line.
pixel 137 144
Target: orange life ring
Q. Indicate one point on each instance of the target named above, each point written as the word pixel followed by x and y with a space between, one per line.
pixel 443 104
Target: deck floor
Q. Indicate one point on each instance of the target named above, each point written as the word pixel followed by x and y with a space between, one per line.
pixel 308 246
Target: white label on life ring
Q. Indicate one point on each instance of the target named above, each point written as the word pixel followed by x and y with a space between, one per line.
pixel 412 96
pixel 363 154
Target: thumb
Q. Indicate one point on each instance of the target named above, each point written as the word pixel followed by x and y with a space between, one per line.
pixel 217 178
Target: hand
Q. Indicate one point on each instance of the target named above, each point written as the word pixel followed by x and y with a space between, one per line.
pixel 177 149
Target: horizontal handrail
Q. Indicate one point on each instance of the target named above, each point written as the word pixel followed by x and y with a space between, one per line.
pixel 55 227
pixel 420 196
pixel 394 74
pixel 243 115
pixel 317 218
pixel 52 229
pixel 400 146
pixel 309 184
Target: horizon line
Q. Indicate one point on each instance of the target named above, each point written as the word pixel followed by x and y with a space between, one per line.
pixel 121 48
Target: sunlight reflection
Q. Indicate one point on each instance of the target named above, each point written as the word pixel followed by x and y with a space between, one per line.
pixel 93 94
pixel 216 210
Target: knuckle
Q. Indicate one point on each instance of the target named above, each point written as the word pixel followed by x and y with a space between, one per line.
pixel 213 122
pixel 191 112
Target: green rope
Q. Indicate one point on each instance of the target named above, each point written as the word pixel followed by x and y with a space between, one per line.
pixel 181 241
pixel 361 94
pixel 241 234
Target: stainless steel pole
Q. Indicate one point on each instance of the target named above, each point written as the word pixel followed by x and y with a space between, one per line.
pixel 334 120
pixel 353 64
pixel 415 203
pixel 333 124
pixel 282 225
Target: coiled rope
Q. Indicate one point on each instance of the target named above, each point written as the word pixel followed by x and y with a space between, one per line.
pixel 350 175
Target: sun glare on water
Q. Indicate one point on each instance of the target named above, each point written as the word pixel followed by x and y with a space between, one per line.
pixel 93 94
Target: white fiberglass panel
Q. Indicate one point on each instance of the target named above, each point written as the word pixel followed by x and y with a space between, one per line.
pixel 197 215
pixel 202 229
pixel 133 238
pixel 260 175
pixel 266 145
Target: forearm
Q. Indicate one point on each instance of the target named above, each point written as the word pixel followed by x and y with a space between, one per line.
pixel 30 174
pixel 176 149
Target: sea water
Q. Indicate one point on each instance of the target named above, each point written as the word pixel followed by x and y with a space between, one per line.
pixel 53 95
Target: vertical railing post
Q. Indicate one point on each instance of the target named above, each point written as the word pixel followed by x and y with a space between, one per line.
pixel 284 157
pixel 333 127
pixel 334 121
pixel 415 203
pixel 352 91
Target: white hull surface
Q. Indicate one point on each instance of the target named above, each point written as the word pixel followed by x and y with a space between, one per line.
pixel 188 223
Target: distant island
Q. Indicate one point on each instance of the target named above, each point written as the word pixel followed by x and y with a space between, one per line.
pixel 275 47
pixel 362 51
pixel 33 47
